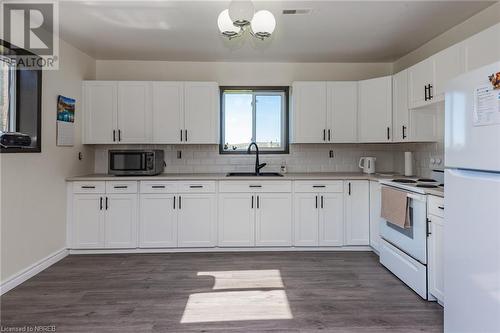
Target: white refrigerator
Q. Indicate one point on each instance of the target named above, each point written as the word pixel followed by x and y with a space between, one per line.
pixel 472 204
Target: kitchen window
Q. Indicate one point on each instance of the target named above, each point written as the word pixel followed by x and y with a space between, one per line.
pixel 254 114
pixel 7 95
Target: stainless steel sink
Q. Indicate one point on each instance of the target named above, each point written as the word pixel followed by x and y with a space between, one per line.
pixel 253 174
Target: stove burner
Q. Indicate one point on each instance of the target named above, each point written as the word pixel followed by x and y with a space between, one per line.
pixel 404 181
pixel 427 185
pixel 426 180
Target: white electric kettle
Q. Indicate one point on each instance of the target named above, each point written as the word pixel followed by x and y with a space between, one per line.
pixel 367 164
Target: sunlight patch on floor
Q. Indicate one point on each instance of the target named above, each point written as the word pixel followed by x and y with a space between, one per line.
pixel 237 305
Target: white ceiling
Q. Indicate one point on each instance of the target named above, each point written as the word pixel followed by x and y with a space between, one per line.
pixel 335 31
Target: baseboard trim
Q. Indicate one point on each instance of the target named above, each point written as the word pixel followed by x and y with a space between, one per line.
pixel 222 249
pixel 32 270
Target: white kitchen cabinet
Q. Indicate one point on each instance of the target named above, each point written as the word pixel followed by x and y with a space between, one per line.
pixel 134 112
pixel 236 219
pixel 196 220
pixel 375 110
pixel 375 212
pixel 201 113
pixel 168 111
pixel 357 212
pixel 483 48
pixel 331 219
pixel 273 219
pixel 421 79
pixel 158 221
pixel 309 112
pixel 400 111
pixel 448 64
pixel 436 256
pixel 87 221
pixel 100 101
pixel 306 221
pixel 342 111
pixel 120 223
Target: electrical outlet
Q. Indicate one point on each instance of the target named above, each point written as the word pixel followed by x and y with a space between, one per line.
pixel 179 154
pixel 330 154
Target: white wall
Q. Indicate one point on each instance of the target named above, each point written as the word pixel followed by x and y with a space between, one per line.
pixel 33 195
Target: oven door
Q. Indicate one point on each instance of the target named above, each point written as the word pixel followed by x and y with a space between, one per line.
pixel 127 162
pixel 412 241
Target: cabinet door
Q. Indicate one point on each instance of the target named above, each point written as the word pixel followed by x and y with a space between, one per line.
pixel 309 112
pixel 306 214
pixel 342 111
pixel 375 209
pixel 356 204
pixel 273 219
pixel 120 225
pixel 168 111
pixel 236 219
pixel 196 221
pixel 201 112
pixel 158 221
pixel 400 111
pixel 134 112
pixel 88 232
pixel 375 110
pixel 419 76
pixel 483 48
pixel 99 108
pixel 436 267
pixel 331 219
pixel 448 64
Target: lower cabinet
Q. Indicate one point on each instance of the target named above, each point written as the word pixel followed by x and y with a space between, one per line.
pixel 436 264
pixel 306 226
pixel 357 212
pixel 236 219
pixel 375 210
pixel 331 219
pixel 196 220
pixel 87 221
pixel 273 219
pixel 158 221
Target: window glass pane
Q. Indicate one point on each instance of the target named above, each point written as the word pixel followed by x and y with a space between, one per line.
pixel 4 96
pixel 268 121
pixel 237 120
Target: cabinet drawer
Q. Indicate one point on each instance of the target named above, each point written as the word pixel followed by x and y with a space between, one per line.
pixel 278 186
pixel 158 187
pixel 89 187
pixel 121 187
pixel 435 205
pixel 196 187
pixel 328 186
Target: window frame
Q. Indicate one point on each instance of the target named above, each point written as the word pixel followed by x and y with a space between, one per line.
pixel 286 124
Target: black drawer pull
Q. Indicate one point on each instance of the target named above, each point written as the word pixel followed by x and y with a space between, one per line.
pixel 255 186
pixel 195 186
pixel 441 207
pixel 120 186
pixel 319 186
pixel 88 187
pixel 158 186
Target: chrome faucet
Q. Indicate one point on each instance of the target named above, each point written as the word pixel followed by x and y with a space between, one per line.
pixel 257 165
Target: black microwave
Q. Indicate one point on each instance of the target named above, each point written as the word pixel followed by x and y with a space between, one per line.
pixel 135 162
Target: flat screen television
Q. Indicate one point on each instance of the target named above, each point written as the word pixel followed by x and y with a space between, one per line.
pixel 20 103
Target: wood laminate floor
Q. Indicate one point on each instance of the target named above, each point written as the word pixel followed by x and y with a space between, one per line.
pixel 222 292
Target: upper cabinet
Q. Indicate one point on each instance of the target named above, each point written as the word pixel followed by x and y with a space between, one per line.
pixel 324 112
pixel 375 110
pixel 400 111
pixel 150 112
pixel 483 49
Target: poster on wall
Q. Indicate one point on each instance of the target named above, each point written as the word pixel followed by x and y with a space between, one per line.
pixel 65 121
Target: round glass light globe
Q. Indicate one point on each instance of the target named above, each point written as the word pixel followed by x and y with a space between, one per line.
pixel 226 25
pixel 263 23
pixel 241 12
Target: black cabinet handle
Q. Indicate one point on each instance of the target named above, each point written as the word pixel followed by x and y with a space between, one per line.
pixel 316 201
pixel 319 186
pixel 329 135
pixel 258 202
pixel 158 186
pixel 180 202
pixel 428 227
pixel 195 186
pixel 252 202
pixel 181 135
pixel 321 201
pixel 324 135
pixel 255 186
pixel 114 135
pixel 119 135
pixel 120 186
pixel 404 132
pixel 100 203
pixel 349 188
pixel 425 93
pixel 388 133
pixel 174 201
pixel 441 207
pixel 185 135
pixel 107 203
pixel 430 92
pixel 88 187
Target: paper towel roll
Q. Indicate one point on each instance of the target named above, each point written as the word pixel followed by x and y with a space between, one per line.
pixel 408 163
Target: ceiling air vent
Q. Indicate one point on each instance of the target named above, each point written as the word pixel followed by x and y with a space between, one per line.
pixel 296 11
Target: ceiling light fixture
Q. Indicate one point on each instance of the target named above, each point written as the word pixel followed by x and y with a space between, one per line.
pixel 241 16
